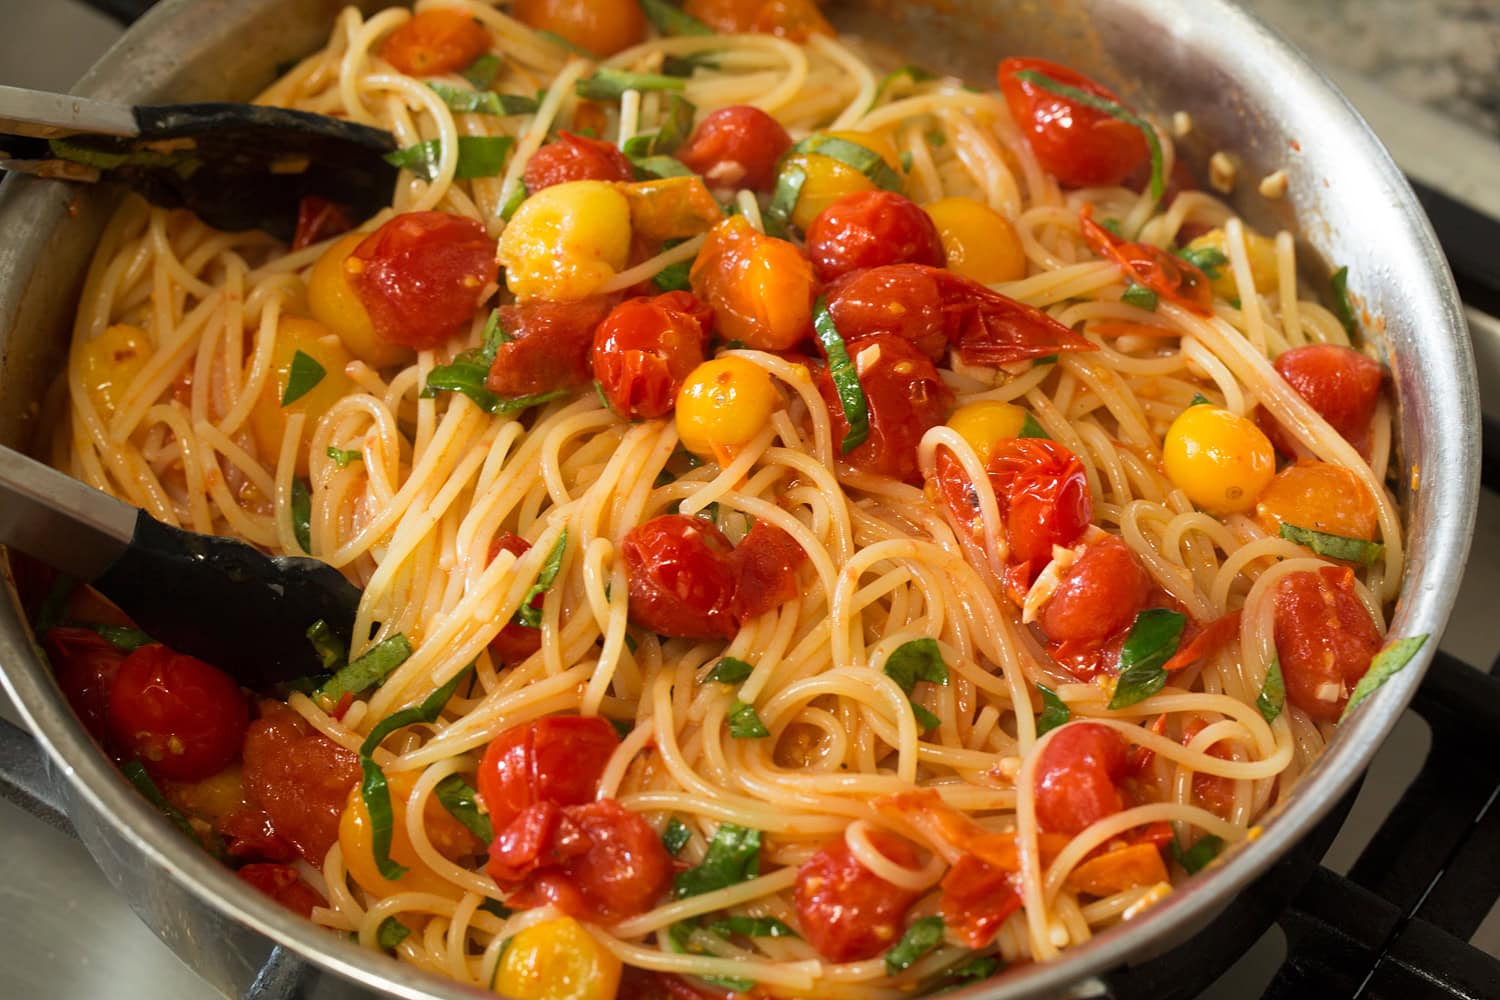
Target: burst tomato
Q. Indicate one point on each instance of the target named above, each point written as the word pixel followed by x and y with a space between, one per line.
pixel 1077 777
pixel 1339 382
pixel 761 289
pixel 867 229
pixel 1044 500
pixel 1325 639
pixel 283 884
pixel 555 759
pixel 765 565
pixel 977 899
pixel 646 348
pixel 299 777
pixel 846 911
pixel 1077 144
pixel 682 580
pixel 904 301
pixel 183 718
pixel 515 642
pixel 550 346
pixel 422 275
pixel 736 147
pixel 1098 596
pixel 434 42
pixel 85 664
pixel 1215 792
pixel 1168 275
pixel 572 157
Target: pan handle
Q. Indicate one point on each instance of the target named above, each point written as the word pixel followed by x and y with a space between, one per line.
pixel 26 778
pixel 124 11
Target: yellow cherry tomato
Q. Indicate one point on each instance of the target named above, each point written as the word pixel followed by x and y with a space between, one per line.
pixel 723 404
pixel 296 335
pixel 979 242
pixel 829 179
pixel 334 303
pixel 1321 496
pixel 987 423
pixel 111 361
pixel 1261 252
pixel 557 960
pixel 452 840
pixel 1221 460
pixel 566 241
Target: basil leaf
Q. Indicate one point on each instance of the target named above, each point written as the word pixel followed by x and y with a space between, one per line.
pixel 483 102
pixel 1032 428
pixel 1048 359
pixel 342 457
pixel 1334 546
pixel 532 617
pixel 1199 400
pixel 482 71
pixel 1114 226
pixel 1197 857
pixel 496 907
pixel 368 669
pixel 789 184
pixel 1152 641
pixel 660 166
pixel 733 857
pixel 563 43
pixel 924 934
pixel 744 722
pixel 917 660
pixel 513 202
pixel 123 637
pixel 302 514
pixel 675 277
pixel 926 720
pixel 623 728
pixel 729 671
pixel 1206 259
pixel 135 772
pixel 305 374
pixel 975 969
pixel 639 145
pixel 609 84
pixel 845 377
pixel 1114 110
pixel 1342 307
pixel 1272 697
pixel 1055 711
pixel 469 372
pixel 752 927
pixel 675 126
pixel 852 154
pixel 1386 664
pixel 679 938
pixel 675 837
pixel 478 156
pixel 458 797
pixel 936 139
pixel 915 74
pixel 670 19
pixel 332 652
pixel 392 932
pixel 1139 296
pixel 685 66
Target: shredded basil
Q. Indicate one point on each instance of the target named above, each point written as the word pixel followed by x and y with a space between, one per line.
pixel 733 857
pixel 1342 307
pixel 845 377
pixel 937 139
pixel 571 46
pixel 978 968
pixel 1272 697
pixel 744 722
pixel 670 19
pixel 527 615
pixel 368 669
pixel 1113 226
pixel 675 277
pixel 1032 428
pixel 1055 711
pixel 648 167
pixel 729 671
pixel 1386 664
pixel 924 934
pixel 1139 296
pixel 679 937
pixel 1197 857
pixel 1334 546
pixel 623 728
pixel 330 648
pixel 1200 400
pixel 687 65
pixel 789 184
pixel 1206 259
pixel 752 927
pixel 926 720
pixel 391 933
pixel 469 372
pixel 496 907
pixel 123 637
pixel 676 836
pixel 910 73
pixel 304 375
pixel 461 800
pixel 1114 110
pixel 482 71
pixel 513 202
pixel 1152 640
pixel 302 514
pixel 135 771
pixel 851 154
pixel 917 660
pixel 478 156
pixel 342 457
pixel 1048 359
pixel 483 102
pixel 609 84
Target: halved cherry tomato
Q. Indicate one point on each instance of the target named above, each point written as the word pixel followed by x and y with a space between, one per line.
pixel 1044 498
pixel 867 229
pixel 905 396
pixel 283 884
pixel 550 345
pixel 1077 777
pixel 1321 496
pixel 1098 596
pixel 85 664
pixel 515 642
pixel 846 911
pixel 300 778
pixel 765 565
pixel 599 27
pixel 183 718
pixel 646 348
pixel 556 759
pixel 436 41
pixel 572 157
pixel 319 219
pixel 793 19
pixel 761 289
pixel 1325 639
pixel 1077 144
pixel 598 861
pixel 1166 274
pixel 1339 382
pixel 421 276
pixel 682 580
pixel 736 147
pixel 977 899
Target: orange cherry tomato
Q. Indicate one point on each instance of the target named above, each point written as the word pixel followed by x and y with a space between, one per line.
pixel 1321 496
pixel 846 911
pixel 182 718
pixel 1080 146
pixel 1077 777
pixel 557 759
pixel 1342 384
pixel 736 147
pixel 646 348
pixel 600 27
pixel 793 19
pixel 572 157
pixel 1166 274
pixel 1325 639
pixel 299 777
pixel 867 229
pixel 761 289
pixel 682 580
pixel 435 42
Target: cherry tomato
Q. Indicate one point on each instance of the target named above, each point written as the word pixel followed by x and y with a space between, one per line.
pixel 250 834
pixel 1098 596
pixel 572 157
pixel 793 19
pixel 977 899
pixel 184 719
pixel 682 581
pixel 434 42
pixel 600 27
pixel 1168 275
pixel 597 861
pixel 905 301
pixel 1321 496
pixel 85 664
pixel 555 759
pixel 736 147
pixel 1077 777
pixel 550 346
pixel 422 275
pixel 1216 792
pixel 905 397
pixel 300 778
pixel 283 884
pixel 1325 639
pixel 319 219
pixel 1044 498
pixel 515 642
pixel 867 229
pixel 765 565
pixel 761 289
pixel 1339 382
pixel 1080 146
pixel 646 348
pixel 846 911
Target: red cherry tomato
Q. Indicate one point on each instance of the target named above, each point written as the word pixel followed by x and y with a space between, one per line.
pixel 846 911
pixel 1325 639
pixel 435 42
pixel 1080 146
pixel 905 397
pixel 904 301
pixel 515 642
pixel 600 27
pixel 1077 777
pixel 793 19
pixel 765 565
pixel 422 275
pixel 555 759
pixel 646 348
pixel 551 345
pixel 85 664
pixel 1098 596
pixel 736 147
pixel 572 157
pixel 319 219
pixel 283 884
pixel 1044 498
pixel 1339 382
pixel 1168 275
pixel 977 900
pixel 1214 791
pixel 867 229
pixel 300 778
pixel 249 834
pixel 184 719
pixel 682 581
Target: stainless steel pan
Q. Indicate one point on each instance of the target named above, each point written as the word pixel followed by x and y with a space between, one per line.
pixel 1247 92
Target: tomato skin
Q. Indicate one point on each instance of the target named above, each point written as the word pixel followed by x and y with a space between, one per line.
pixel 682 581
pixel 515 642
pixel 435 42
pixel 867 229
pixel 1076 778
pixel 761 289
pixel 977 899
pixel 556 759
pixel 1100 594
pixel 1078 145
pixel 1339 382
pixel 421 276
pixel 765 565
pixel 85 664
pixel 551 346
pixel 905 396
pixel 183 718
pixel 319 219
pixel 1324 637
pixel 646 348
pixel 283 884
pixel 1044 498
pixel 299 777
pixel 846 911
pixel 736 147
pixel 572 157
pixel 1168 275
pixel 600 27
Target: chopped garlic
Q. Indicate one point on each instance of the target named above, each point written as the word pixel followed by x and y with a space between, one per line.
pixel 867 358
pixel 1007 768
pixel 1048 580
pixel 1274 185
pixel 1329 691
pixel 1221 172
pixel 1182 124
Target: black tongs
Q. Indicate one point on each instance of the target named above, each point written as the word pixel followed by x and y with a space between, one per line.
pixel 215 598
pixel 237 166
